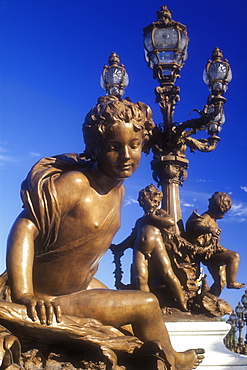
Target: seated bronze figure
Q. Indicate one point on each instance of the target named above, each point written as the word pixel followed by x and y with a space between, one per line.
pixel 71 212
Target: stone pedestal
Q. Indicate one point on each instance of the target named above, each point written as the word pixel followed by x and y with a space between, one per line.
pixel 207 335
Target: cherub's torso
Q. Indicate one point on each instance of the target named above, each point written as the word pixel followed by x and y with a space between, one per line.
pixel 207 239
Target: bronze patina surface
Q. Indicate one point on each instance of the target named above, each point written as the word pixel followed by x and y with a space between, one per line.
pixel 71 212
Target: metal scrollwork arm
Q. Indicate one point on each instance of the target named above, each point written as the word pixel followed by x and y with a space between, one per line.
pixel 203 145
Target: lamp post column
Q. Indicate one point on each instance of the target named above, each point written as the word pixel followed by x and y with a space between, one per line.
pixel 169 171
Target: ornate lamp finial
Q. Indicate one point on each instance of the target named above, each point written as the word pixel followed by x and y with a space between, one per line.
pixel 164 14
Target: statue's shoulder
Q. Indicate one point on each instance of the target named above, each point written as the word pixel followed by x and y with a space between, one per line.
pixel 194 216
pixel 69 170
pixel 71 178
pixel 203 219
pixel 70 184
pixel 193 222
pixel 206 217
pixel 71 188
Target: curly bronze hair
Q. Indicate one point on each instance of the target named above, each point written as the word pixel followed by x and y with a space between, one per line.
pixel 150 192
pixel 107 113
pixel 220 203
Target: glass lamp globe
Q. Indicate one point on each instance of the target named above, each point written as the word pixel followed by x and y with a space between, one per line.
pixel 217 73
pixel 245 315
pixel 239 310
pixel 244 299
pixel 165 43
pixel 114 78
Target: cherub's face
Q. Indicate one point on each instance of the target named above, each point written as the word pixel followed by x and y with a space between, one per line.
pixel 150 204
pixel 215 212
pixel 120 154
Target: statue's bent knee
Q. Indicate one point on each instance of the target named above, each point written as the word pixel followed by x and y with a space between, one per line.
pixel 151 301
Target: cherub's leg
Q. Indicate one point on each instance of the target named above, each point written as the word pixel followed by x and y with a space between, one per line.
pixel 162 261
pixel 118 308
pixel 140 271
pixel 231 260
pixel 232 270
pixel 218 274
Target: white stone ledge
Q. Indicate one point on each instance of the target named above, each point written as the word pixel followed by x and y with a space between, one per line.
pixel 207 335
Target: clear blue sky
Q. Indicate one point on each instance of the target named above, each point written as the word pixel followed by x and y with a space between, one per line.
pixel 52 54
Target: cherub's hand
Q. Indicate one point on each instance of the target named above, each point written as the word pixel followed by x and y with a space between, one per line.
pixel 216 232
pixel 41 309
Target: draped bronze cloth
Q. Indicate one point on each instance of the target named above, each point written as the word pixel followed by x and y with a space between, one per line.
pixel 39 196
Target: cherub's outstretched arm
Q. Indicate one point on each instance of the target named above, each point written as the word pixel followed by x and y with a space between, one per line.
pixel 125 244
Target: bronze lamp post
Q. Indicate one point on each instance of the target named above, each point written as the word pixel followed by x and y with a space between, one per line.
pixel 165 48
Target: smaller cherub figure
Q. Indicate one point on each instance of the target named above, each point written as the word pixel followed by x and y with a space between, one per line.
pixel 203 231
pixel 148 242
